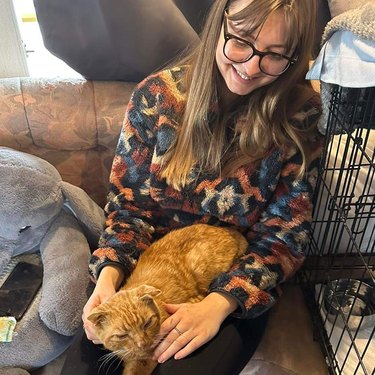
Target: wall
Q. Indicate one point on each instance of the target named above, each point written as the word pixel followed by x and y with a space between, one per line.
pixel 12 52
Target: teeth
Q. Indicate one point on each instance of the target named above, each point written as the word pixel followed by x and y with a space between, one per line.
pixel 243 76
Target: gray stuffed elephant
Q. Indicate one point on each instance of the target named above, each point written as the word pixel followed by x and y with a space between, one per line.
pixel 40 213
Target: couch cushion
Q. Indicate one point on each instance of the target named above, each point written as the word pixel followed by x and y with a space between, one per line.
pixel 61 113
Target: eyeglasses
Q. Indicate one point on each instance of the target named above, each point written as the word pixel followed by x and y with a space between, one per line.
pixel 240 50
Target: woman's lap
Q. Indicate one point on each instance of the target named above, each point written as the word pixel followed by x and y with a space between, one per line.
pixel 226 354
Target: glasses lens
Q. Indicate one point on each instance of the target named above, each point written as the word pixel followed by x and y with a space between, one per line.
pixel 273 64
pixel 239 51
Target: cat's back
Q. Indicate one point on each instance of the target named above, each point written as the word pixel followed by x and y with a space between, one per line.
pixel 198 243
pixel 184 262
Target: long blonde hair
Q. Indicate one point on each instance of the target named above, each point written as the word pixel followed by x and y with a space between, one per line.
pixel 267 110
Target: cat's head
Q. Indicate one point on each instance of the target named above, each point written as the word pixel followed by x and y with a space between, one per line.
pixel 128 323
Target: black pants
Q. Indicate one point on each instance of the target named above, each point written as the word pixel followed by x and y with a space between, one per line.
pixel 226 354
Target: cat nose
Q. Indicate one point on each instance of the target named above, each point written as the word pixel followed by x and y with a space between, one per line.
pixel 141 344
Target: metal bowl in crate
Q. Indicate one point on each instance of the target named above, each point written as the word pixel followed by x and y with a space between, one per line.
pixel 354 302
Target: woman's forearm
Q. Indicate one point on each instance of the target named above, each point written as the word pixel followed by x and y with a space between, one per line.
pixel 111 275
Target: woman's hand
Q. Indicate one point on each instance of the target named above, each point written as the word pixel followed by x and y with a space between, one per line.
pixel 109 280
pixel 191 325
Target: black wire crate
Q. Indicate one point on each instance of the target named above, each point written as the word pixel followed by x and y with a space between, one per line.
pixel 338 277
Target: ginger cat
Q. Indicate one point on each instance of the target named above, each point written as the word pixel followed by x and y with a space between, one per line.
pixel 177 268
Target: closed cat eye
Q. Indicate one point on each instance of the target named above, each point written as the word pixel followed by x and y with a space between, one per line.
pixel 147 324
pixel 120 337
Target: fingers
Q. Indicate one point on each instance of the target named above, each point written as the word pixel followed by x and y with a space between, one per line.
pixel 193 345
pixel 90 334
pixel 188 328
pixel 172 343
pixel 175 334
pixel 168 325
pixel 170 308
pixel 104 289
pixel 89 329
pixel 179 345
pixel 88 326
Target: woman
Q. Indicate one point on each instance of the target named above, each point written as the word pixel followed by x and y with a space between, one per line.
pixel 228 137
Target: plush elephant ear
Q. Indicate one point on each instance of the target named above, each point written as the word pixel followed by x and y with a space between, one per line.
pixel 88 213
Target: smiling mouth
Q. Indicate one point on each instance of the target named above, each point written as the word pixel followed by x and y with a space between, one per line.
pixel 242 75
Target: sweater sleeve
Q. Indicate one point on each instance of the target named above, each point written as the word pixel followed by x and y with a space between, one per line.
pixel 130 211
pixel 277 240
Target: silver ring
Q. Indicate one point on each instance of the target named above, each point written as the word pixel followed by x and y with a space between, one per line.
pixel 177 330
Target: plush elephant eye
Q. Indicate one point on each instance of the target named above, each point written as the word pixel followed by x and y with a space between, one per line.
pixel 26 227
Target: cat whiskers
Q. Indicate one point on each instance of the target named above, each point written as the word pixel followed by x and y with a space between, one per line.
pixel 111 358
pixel 121 353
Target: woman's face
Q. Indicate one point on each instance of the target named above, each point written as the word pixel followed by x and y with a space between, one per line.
pixel 243 78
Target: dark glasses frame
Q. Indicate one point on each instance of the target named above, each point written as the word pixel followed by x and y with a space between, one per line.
pixel 228 36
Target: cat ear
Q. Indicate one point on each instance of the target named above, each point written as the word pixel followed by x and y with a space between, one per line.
pixel 147 299
pixel 146 294
pixel 98 318
pixel 149 290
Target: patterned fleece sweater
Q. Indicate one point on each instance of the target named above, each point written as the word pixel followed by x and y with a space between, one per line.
pixel 266 203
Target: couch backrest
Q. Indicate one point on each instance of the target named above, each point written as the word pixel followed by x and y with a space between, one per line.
pixel 72 123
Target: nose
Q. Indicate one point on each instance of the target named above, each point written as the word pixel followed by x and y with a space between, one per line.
pixel 251 67
pixel 141 343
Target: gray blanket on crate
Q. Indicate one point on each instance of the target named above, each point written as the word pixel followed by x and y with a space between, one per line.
pixel 361 22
